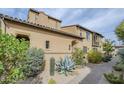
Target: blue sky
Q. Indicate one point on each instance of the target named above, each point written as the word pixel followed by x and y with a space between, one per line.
pixel 100 20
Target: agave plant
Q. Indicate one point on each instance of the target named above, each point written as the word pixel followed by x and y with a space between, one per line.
pixel 65 65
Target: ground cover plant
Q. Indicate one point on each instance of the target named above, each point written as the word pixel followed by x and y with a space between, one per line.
pixel 51 81
pixel 114 79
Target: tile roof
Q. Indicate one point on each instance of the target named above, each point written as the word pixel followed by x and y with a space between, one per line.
pixel 6 17
pixel 77 25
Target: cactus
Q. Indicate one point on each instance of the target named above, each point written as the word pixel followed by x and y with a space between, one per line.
pixel 52 66
pixel 65 65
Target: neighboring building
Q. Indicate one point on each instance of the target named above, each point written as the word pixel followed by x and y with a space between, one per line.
pixel 44 31
pixel 92 40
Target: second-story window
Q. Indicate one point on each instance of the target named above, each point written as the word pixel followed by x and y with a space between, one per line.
pixel 80 34
pixel 88 35
pixel 47 44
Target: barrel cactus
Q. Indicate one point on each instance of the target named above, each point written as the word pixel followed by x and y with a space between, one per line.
pixel 52 66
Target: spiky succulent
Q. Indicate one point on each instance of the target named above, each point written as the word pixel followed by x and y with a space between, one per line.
pixel 65 65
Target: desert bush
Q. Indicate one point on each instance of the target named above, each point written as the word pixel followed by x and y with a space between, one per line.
pixel 78 56
pixel 12 56
pixel 52 66
pixel 94 56
pixel 65 65
pixel 51 81
pixel 114 79
pixel 35 60
pixel 119 66
pixel 106 58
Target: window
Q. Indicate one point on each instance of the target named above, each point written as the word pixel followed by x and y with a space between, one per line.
pixel 80 34
pixel 36 18
pixel 47 44
pixel 88 35
pixel 84 49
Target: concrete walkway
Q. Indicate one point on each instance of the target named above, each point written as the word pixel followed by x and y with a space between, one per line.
pixel 97 70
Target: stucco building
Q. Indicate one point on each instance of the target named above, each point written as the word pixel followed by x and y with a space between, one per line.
pixel 44 31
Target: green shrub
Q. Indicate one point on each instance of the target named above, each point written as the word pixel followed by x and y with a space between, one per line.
pixel 94 57
pixel 119 66
pixel 14 75
pixel 51 81
pixel 114 79
pixel 106 58
pixel 121 53
pixel 78 56
pixel 12 56
pixel 35 60
pixel 52 66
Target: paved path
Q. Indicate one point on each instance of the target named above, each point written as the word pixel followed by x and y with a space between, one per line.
pixel 97 70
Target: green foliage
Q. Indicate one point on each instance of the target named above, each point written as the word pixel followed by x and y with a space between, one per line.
pixel 120 31
pixel 78 56
pixel 65 65
pixel 35 60
pixel 119 66
pixel 1 68
pixel 114 79
pixel 121 53
pixel 52 66
pixel 51 81
pixel 94 56
pixel 108 47
pixel 106 58
pixel 12 56
pixel 13 76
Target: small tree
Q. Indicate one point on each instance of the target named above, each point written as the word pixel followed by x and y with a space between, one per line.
pixel 120 31
pixel 108 47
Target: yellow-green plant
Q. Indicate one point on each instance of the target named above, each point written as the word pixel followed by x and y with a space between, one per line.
pixel 94 56
pixel 78 56
pixel 51 81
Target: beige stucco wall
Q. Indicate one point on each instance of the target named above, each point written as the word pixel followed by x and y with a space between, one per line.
pixel 76 30
pixel 43 19
pixel 86 43
pixel 70 29
pixel 59 44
